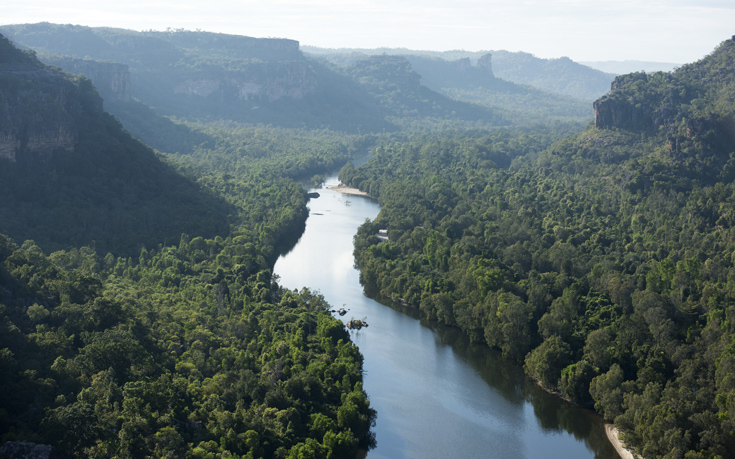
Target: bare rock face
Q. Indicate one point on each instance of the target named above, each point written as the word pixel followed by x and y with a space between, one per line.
pixel 486 62
pixel 618 109
pixel 289 79
pixel 268 81
pixel 111 79
pixel 39 105
pixel 614 113
pixel 40 108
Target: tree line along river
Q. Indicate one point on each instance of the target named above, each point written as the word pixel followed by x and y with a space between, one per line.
pixel 437 395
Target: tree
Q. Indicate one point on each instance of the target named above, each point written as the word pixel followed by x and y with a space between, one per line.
pixel 546 362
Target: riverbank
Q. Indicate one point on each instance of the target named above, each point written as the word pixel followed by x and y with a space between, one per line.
pixel 344 189
pixel 441 395
pixel 613 436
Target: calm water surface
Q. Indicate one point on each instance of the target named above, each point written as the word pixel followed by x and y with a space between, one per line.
pixel 437 395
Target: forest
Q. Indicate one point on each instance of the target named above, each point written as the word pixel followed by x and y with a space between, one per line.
pixel 139 315
pixel 121 337
pixel 602 260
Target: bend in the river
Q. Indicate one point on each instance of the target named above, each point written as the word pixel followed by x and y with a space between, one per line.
pixel 437 395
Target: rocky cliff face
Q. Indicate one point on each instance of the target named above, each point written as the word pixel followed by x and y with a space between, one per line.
pixel 622 108
pixel 486 62
pixel 111 79
pixel 690 110
pixel 39 106
pixel 39 111
pixel 260 82
pixel 613 113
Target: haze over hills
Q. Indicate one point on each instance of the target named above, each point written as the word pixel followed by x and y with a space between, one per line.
pixel 205 76
pixel 559 76
pixel 622 67
pixel 250 80
pixel 69 165
pixel 600 257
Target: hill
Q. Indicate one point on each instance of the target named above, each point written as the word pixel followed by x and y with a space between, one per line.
pixel 557 76
pixel 206 77
pixel 477 83
pixel 602 260
pixel 622 67
pixel 394 83
pixel 67 164
pixel 172 345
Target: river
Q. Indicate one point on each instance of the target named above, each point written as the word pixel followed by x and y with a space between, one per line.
pixel 437 395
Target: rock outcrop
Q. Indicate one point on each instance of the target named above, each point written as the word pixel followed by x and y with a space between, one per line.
pixel 486 63
pixel 622 110
pixel 39 106
pixel 111 79
pixel 613 113
pixel 268 81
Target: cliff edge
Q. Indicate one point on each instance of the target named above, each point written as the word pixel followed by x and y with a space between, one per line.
pixel 39 105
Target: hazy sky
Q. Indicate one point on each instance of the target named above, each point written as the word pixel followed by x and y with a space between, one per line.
pixel 678 31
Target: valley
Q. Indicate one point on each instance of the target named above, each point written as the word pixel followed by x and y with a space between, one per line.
pixel 546 228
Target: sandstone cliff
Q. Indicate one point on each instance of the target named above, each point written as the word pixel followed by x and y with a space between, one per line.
pixel 689 110
pixel 39 105
pixel 111 79
pixel 159 67
pixel 622 109
pixel 258 82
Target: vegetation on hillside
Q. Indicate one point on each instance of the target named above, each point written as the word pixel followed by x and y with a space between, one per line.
pixel 168 336
pixel 603 261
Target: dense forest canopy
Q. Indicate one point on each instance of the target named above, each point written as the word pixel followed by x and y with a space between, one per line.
pixel 167 336
pixel 138 313
pixel 603 261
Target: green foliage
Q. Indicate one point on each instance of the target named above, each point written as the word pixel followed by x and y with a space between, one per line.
pixel 9 54
pixel 602 260
pixel 176 347
pixel 546 362
pixel 126 365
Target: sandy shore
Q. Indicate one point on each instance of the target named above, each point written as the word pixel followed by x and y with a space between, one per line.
pixel 612 435
pixel 342 188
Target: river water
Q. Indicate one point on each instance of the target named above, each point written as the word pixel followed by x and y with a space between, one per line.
pixel 437 395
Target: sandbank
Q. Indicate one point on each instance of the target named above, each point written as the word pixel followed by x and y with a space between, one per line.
pixel 342 188
pixel 612 435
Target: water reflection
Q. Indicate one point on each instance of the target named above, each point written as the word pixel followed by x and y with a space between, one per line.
pixel 437 394
pixel 554 416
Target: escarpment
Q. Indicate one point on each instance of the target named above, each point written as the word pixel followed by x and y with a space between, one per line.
pixel 111 79
pixel 39 105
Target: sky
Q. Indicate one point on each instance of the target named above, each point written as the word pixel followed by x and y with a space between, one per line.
pixel 676 31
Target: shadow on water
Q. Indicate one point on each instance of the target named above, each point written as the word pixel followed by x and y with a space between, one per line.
pixel 553 414
pixel 437 394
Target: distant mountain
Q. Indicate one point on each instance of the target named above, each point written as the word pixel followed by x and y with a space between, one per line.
pixel 70 176
pixel 622 67
pixel 208 76
pixel 393 82
pixel 558 76
pixel 476 82
pixel 213 76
